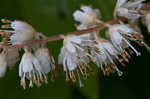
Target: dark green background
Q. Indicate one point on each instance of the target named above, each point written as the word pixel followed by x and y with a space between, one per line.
pixel 54 17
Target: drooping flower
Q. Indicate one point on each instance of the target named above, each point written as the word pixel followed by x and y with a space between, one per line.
pixel 121 35
pixel 104 55
pixel 128 9
pixel 3 64
pixel 87 17
pixel 30 68
pixel 74 57
pixel 45 59
pixel 22 32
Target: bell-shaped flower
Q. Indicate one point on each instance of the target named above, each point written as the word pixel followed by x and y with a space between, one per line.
pixel 22 32
pixel 128 9
pixel 30 68
pixel 45 59
pixel 74 57
pixel 121 35
pixel 87 17
pixel 104 55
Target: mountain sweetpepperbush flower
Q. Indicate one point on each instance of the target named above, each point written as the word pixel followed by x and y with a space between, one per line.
pixel 104 54
pixel 87 17
pixel 121 35
pixel 46 61
pixel 21 33
pixel 128 9
pixel 30 68
pixel 74 57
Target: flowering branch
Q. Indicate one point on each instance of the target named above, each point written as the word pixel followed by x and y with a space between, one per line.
pixel 77 51
pixel 58 37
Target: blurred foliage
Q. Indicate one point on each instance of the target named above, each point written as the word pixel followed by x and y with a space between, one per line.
pixel 54 17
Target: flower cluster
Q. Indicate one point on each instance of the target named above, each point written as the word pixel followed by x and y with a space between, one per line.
pixel 78 50
pixel 36 62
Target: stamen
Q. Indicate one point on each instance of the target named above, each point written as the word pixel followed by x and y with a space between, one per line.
pixel 130 51
pixel 31 84
pixel 81 84
pixel 7 31
pixel 5 26
pixel 146 46
pixel 102 69
pixel 96 49
pixel 5 21
pixel 37 83
pixel 126 53
pixel 121 61
pixel 46 79
pixel 67 77
pixel 72 75
pixel 23 83
pixel 120 73
pixel 85 74
pixel 41 78
pixel 137 53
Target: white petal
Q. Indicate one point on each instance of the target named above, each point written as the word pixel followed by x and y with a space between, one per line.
pixel 26 62
pixel 70 47
pixel 37 64
pixel 64 63
pixel 120 2
pixel 87 9
pixel 135 4
pixel 42 55
pixel 98 14
pixel 109 47
pixel 21 26
pixel 79 16
pixel 61 56
pixel 23 32
pixel 70 64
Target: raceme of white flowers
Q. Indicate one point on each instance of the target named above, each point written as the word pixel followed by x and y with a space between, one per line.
pixel 77 50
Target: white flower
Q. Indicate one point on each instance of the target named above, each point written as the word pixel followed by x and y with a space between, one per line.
pixel 46 61
pixel 30 68
pixel 74 57
pixel 104 55
pixel 86 16
pixel 12 56
pixel 22 32
pixel 128 9
pixel 3 64
pixel 121 35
